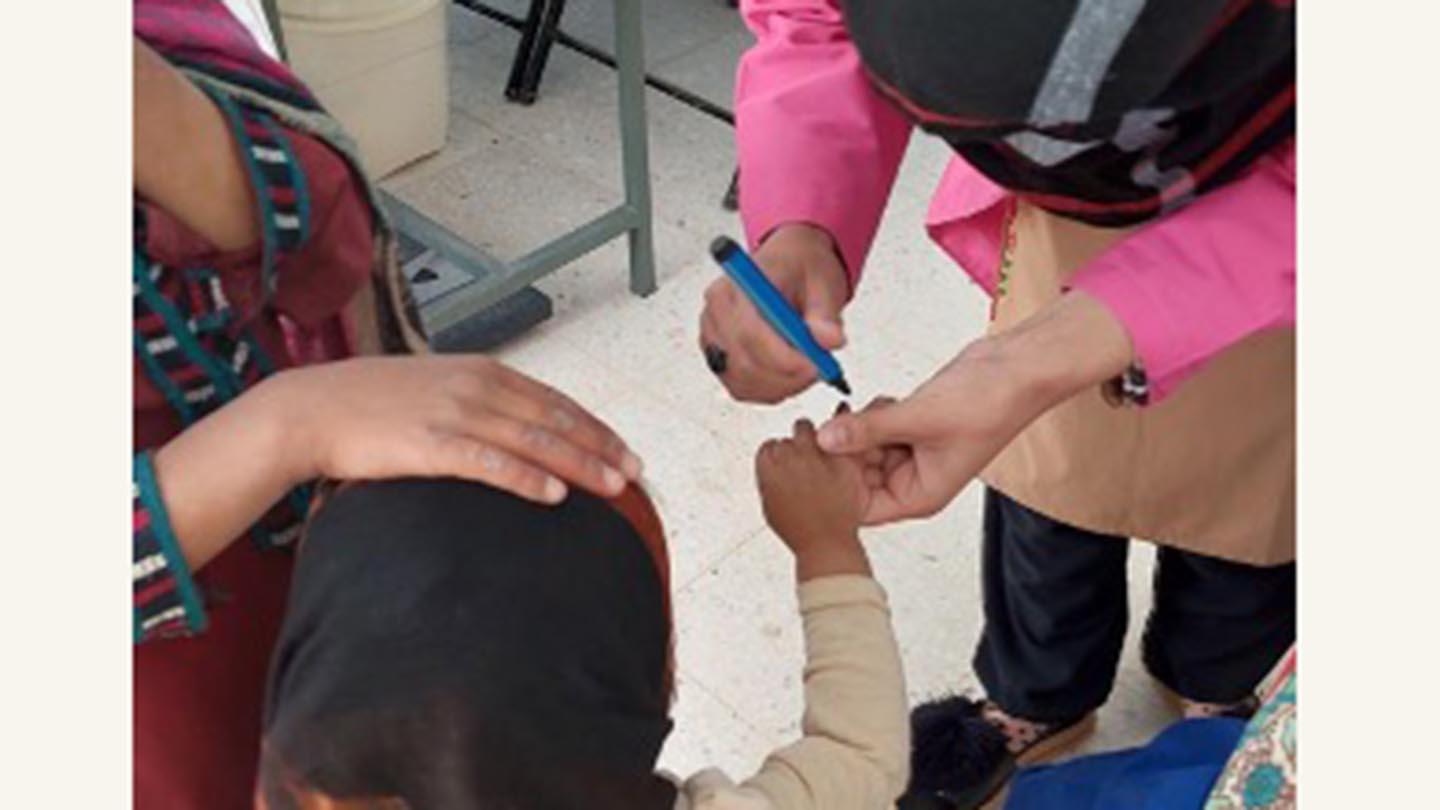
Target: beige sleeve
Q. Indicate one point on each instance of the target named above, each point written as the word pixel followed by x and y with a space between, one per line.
pixel 854 754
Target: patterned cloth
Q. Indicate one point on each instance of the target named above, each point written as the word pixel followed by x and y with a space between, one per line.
pixel 166 601
pixel 1217 763
pixel 202 34
pixel 1111 112
pixel 197 352
pixel 1261 773
pixel 206 325
pixel 1174 771
pixel 285 302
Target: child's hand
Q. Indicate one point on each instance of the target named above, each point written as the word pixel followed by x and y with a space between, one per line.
pixel 814 501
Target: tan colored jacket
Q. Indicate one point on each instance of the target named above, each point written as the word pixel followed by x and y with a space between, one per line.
pixel 1210 469
pixel 855 749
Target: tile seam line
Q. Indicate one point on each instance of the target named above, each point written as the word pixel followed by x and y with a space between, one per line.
pixel 688 584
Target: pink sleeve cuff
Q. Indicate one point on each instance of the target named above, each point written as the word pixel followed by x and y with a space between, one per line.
pixel 1191 285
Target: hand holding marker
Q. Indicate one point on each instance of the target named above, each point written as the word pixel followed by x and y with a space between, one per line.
pixel 777 311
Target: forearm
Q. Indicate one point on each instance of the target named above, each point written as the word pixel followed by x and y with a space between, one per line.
pixel 827 559
pixel 218 477
pixel 816 142
pixel 184 157
pixel 934 442
pixel 1065 348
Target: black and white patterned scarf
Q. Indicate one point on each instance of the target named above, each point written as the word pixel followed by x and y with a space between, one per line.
pixel 1111 112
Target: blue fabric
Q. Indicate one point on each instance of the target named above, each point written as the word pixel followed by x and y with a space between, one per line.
pixel 1174 772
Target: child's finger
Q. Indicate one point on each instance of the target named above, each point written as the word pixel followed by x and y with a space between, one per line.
pixel 764 461
pixel 767 449
pixel 804 431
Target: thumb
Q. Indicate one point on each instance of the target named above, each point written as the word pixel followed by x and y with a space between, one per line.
pixel 830 334
pixel 868 430
pixel 822 306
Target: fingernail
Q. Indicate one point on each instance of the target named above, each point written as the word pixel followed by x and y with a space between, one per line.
pixel 614 481
pixel 632 466
pixel 554 490
pixel 833 437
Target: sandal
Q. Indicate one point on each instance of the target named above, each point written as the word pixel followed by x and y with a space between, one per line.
pixel 1242 709
pixel 960 761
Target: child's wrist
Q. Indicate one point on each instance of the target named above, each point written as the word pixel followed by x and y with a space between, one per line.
pixel 832 559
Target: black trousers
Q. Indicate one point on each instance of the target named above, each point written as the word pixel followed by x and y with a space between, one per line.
pixel 1056 610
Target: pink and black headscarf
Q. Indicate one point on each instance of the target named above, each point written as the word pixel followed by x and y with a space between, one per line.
pixel 1111 112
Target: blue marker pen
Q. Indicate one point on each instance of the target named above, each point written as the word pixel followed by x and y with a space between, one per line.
pixel 777 311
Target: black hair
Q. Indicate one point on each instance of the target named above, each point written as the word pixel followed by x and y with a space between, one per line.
pixel 458 648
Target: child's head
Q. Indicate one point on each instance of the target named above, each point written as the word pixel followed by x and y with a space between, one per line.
pixel 450 646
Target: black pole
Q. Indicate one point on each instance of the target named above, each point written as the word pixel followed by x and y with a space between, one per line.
pixel 586 49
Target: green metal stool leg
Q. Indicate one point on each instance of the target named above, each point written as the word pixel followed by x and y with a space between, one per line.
pixel 630 55
pixel 272 16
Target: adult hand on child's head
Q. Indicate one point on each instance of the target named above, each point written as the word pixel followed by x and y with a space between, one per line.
pixel 814 501
pixel 437 416
pixel 759 365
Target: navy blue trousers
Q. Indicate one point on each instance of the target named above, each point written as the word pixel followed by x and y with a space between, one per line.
pixel 1056 611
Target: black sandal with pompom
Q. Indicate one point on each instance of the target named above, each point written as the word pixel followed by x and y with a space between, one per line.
pixel 959 760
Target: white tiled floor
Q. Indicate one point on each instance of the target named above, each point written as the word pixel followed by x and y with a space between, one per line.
pixel 514 176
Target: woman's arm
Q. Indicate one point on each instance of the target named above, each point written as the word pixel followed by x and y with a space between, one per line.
pixel 368 418
pixel 185 160
pixel 925 448
pixel 1191 285
pixel 375 418
pixel 1172 296
pixel 817 142
pixel 819 149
